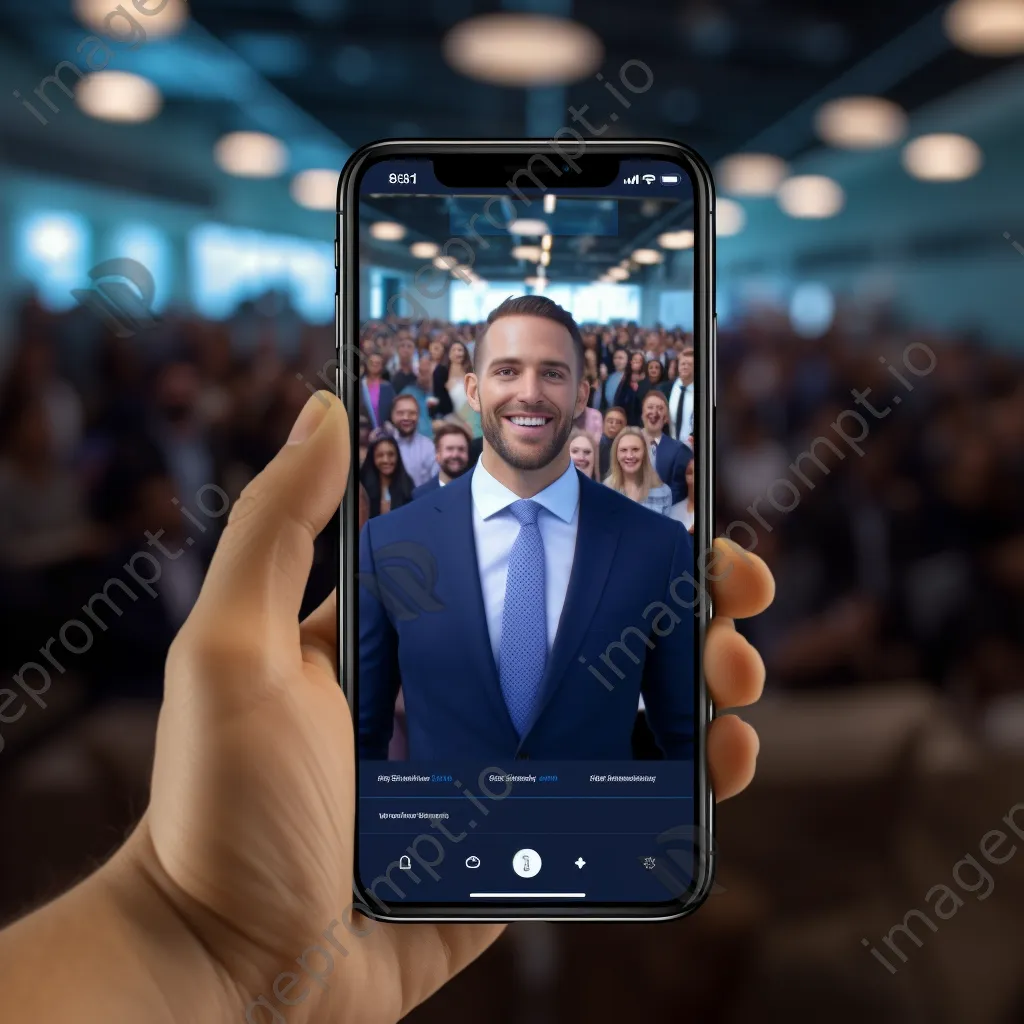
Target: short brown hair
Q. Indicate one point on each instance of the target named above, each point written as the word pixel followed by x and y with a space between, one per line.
pixel 655 393
pixel 534 305
pixel 446 429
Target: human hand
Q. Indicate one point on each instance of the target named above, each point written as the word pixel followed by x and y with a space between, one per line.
pixel 248 839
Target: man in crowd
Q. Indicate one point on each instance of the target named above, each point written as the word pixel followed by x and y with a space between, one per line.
pixel 680 399
pixel 532 572
pixel 422 389
pixel 620 358
pixel 451 447
pixel 670 457
pixel 614 421
pixel 403 364
pixel 416 451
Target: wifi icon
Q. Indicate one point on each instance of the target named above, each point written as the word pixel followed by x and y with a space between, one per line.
pixel 648 178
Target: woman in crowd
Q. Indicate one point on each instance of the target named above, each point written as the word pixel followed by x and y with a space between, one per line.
pixel 655 375
pixel 378 394
pixel 583 452
pixel 450 388
pixel 671 372
pixel 683 510
pixel 365 426
pixel 592 375
pixel 632 472
pixel 633 387
pixel 388 485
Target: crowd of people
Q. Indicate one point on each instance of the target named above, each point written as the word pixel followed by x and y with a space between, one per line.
pixel 904 562
pixel 635 433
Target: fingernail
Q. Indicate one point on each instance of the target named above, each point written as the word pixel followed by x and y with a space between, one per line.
pixel 309 419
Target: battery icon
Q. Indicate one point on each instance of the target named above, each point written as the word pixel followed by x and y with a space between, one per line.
pixel 670 179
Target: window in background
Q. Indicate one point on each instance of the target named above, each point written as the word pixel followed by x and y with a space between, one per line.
pixel 675 309
pixel 228 266
pixel 147 245
pixel 52 251
pixel 376 294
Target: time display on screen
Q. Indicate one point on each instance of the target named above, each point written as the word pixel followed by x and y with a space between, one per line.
pixel 402 179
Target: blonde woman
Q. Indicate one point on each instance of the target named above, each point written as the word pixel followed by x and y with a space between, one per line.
pixel 583 453
pixel 632 472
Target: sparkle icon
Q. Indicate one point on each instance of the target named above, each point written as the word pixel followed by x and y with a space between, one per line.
pixel 579 862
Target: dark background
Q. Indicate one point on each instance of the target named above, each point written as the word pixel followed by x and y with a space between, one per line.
pixel 893 723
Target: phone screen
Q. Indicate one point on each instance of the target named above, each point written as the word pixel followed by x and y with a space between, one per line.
pixel 526 684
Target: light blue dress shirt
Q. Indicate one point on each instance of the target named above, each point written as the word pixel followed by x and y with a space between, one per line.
pixel 495 530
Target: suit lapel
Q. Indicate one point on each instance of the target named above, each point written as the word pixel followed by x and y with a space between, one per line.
pixel 596 542
pixel 459 563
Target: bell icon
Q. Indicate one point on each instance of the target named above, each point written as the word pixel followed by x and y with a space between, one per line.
pixel 405 863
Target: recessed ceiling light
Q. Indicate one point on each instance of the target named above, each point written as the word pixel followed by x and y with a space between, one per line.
pixel 251 155
pixel 617 273
pixel 729 218
pixel 445 262
pixel 942 157
pixel 751 174
pixel 676 240
pixel 523 49
pixel 646 256
pixel 387 231
pixel 118 96
pixel 526 252
pixel 990 28
pixel 545 242
pixel 549 203
pixel 529 227
pixel 860 122
pixel 316 189
pixel 158 22
pixel 424 250
pixel 811 196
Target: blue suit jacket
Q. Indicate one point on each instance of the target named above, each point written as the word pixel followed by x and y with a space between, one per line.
pixel 627 628
pixel 673 457
pixel 431 485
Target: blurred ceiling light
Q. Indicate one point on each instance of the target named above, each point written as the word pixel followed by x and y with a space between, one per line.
pixel 118 96
pixel 387 231
pixel 463 272
pixel 989 28
pixel 424 250
pixel 545 243
pixel 647 256
pixel 617 273
pixel 536 283
pixel 159 21
pixel 549 203
pixel 860 122
pixel 315 189
pixel 522 49
pixel 478 282
pixel 729 218
pixel 251 154
pixel 545 259
pixel 676 240
pixel 811 196
pixel 751 174
pixel 527 226
pixel 51 239
pixel 445 262
pixel 942 157
pixel 526 252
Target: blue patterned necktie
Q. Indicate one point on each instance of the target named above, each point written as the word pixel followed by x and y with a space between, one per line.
pixel 523 651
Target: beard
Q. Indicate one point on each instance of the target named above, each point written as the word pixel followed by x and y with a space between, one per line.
pixel 535 458
pixel 454 468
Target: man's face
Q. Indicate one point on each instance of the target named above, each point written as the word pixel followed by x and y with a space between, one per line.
pixel 655 415
pixel 405 414
pixel 453 454
pixel 619 360
pixel 686 365
pixel 613 423
pixel 374 365
pixel 405 351
pixel 528 390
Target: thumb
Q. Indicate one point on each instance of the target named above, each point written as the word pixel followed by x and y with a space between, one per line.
pixel 259 571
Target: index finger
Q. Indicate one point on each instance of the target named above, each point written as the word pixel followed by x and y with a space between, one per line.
pixel 741 584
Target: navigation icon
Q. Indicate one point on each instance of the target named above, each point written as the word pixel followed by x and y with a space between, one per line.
pixel 472 862
pixel 526 863
pixel 579 862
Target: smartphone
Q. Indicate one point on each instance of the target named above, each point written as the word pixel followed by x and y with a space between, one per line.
pixel 526 351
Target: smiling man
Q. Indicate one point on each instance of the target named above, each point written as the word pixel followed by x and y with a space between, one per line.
pixel 525 608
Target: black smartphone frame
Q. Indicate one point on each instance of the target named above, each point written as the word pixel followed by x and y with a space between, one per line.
pixel 498 154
